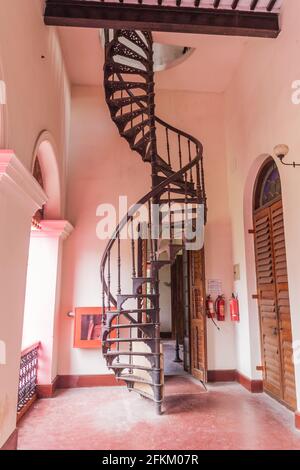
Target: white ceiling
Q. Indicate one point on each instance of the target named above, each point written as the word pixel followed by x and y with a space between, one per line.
pixel 211 65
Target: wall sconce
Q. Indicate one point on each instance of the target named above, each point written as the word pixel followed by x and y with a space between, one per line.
pixel 281 151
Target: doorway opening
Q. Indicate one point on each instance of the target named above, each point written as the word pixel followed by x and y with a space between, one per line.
pixel 272 286
pixel 185 352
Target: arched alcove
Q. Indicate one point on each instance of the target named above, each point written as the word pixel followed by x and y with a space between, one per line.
pixel 45 152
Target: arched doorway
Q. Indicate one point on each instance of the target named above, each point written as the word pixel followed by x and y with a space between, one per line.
pixel 272 286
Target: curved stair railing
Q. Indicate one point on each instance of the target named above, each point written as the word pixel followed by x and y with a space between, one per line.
pixel 131 323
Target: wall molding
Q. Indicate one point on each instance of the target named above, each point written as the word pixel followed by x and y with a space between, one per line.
pixel 227 375
pixel 53 229
pixel 109 380
pixel 12 442
pixel 13 174
pixel 253 386
pixel 47 390
pixel 78 381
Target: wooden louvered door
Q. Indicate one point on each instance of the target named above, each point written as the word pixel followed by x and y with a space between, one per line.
pixel 283 306
pixel 177 299
pixel 197 315
pixel 275 323
pixel 267 303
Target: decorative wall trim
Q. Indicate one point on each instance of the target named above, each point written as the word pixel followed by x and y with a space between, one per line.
pixel 53 229
pixel 14 174
pixel 297 419
pixel 221 375
pixel 12 442
pixel 109 380
pixel 47 390
pixel 253 386
pixel 77 381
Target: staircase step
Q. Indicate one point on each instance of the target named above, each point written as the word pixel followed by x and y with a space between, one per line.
pixel 121 85
pixel 133 37
pixel 114 67
pixel 132 325
pixel 141 145
pixel 131 353
pixel 134 310
pixel 133 366
pixel 135 378
pixel 122 119
pixel 137 282
pixel 130 54
pixel 121 102
pixel 192 200
pixel 182 191
pixel 189 186
pixel 132 132
pixel 129 340
pixel 146 395
pixel 136 296
pixel 188 210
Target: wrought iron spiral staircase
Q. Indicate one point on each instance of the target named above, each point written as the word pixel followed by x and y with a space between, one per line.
pixel 131 331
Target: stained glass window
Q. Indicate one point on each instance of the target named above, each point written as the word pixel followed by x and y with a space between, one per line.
pixel 268 186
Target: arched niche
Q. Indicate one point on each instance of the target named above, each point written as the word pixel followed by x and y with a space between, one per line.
pixel 46 153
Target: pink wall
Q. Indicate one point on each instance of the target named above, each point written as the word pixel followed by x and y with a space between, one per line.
pixel 37 88
pixel 37 99
pixel 101 167
pixel 259 115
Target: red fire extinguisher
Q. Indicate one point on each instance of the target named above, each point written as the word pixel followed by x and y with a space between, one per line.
pixel 234 308
pixel 210 310
pixel 220 308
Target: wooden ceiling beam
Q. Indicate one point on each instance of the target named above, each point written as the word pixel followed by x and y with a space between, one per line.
pixel 91 14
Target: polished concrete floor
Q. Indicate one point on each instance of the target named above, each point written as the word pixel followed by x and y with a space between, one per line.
pixel 224 417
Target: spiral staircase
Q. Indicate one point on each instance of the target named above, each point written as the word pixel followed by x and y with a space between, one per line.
pixel 131 310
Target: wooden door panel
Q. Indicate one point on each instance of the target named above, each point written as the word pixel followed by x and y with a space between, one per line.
pixel 283 305
pixel 274 308
pixel 267 304
pixel 197 315
pixel 177 299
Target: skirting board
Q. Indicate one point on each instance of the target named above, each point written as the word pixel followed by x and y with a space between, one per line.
pixel 253 386
pixel 77 381
pixel 297 420
pixel 109 380
pixel 47 390
pixel 12 442
pixel 221 375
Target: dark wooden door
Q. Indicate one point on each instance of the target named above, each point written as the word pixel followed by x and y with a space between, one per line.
pixel 177 299
pixel 275 322
pixel 197 315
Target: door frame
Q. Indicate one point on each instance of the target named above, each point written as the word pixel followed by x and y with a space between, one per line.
pixel 255 211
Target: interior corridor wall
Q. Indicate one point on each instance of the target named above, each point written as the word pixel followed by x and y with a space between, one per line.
pixel 37 87
pixel 260 113
pixel 101 167
pixel 37 99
